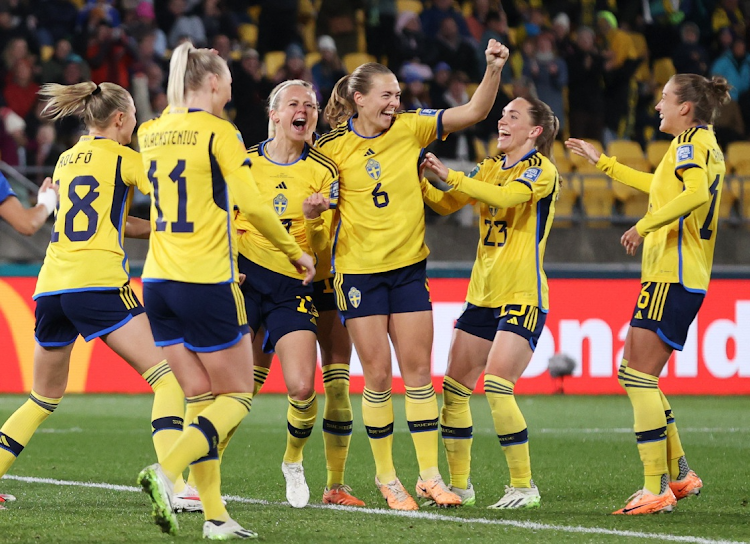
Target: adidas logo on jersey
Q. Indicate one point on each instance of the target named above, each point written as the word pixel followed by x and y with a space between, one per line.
pixel 282 185
pixel 513 321
pixel 639 315
pixel 369 152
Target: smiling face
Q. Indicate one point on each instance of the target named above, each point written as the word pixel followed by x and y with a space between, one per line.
pixel 515 128
pixel 671 110
pixel 381 102
pixel 295 112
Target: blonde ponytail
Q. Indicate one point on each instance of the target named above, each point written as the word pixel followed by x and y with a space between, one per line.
pixel 95 104
pixel 188 69
pixel 177 70
pixel 340 106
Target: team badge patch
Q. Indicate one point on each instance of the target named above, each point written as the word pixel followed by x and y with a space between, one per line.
pixel 280 203
pixel 474 172
pixel 428 111
pixel 355 297
pixel 334 195
pixel 373 169
pixel 531 174
pixel 684 152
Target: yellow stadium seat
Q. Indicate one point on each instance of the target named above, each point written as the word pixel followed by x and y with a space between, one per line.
pixel 354 60
pixel 570 190
pixel 254 12
pixel 655 152
pixel 636 205
pixel 248 34
pixel 562 161
pixel 628 152
pixel 311 59
pixel 471 88
pixel 597 198
pixel 273 61
pixel 738 158
pixel 728 198
pixel 46 52
pixel 409 5
pixel 741 191
pixel 480 150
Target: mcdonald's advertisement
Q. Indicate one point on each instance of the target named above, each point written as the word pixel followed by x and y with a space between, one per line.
pixel 588 321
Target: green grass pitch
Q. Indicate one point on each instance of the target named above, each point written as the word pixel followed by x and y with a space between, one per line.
pixel 583 454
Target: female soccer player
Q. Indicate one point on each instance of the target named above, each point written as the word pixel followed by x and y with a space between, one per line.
pixel 379 255
pixel 27 220
pixel 507 301
pixel 199 171
pixel 678 235
pixel 288 171
pixel 83 286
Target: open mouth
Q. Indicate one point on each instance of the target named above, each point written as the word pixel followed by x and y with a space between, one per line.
pixel 299 124
pixel 502 134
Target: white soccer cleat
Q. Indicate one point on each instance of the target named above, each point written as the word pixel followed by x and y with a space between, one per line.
pixel 468 496
pixel 187 500
pixel 519 497
pixel 6 498
pixel 226 530
pixel 297 492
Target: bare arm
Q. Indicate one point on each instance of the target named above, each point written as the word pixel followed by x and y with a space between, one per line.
pixel 477 109
pixel 135 227
pixel 29 220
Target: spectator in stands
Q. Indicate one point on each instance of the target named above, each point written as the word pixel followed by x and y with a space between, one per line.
pixel 415 94
pixel 477 21
pixel 53 69
pixel 223 46
pixel 411 43
pixel 433 17
pixel 99 10
pixel 20 91
pixel 452 48
pixel 44 150
pixel 338 19
pixel 147 54
pixel 250 103
pixel 217 19
pixel 380 28
pixel 458 145
pixel 549 74
pixel 586 87
pixel 439 85
pixel 185 26
pixel 722 42
pixel 56 19
pixel 110 55
pixel 144 26
pixel 27 220
pixel 734 65
pixel 729 14
pixel 277 25
pixel 12 28
pixel 523 87
pixel 12 136
pixel 563 42
pixel 496 28
pixel 328 70
pixel 690 57
pixel 619 85
pixel 294 66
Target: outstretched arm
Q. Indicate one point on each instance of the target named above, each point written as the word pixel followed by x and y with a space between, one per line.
pixel 29 220
pixel 609 165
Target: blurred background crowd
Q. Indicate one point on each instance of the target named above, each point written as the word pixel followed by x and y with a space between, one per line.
pixel 600 64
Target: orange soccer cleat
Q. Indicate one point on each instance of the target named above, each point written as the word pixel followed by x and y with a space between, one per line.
pixel 341 494
pixel 436 490
pixel 396 496
pixel 645 502
pixel 691 484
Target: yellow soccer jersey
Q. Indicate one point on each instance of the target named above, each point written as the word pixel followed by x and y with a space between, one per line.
pixel 189 154
pixel 283 188
pixel 683 250
pixel 96 179
pixel 508 268
pixel 381 224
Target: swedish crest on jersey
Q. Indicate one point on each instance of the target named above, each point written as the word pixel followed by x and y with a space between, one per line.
pixel 355 297
pixel 372 167
pixel 280 203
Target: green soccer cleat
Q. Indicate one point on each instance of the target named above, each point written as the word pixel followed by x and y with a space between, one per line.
pixel 154 482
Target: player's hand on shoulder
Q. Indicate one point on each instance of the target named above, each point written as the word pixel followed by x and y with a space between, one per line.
pixel 314 205
pixel 305 264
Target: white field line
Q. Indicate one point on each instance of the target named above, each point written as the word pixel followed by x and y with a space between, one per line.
pixel 530 525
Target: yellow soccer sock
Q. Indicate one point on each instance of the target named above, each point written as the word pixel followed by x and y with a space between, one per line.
pixel 207 474
pixel 678 467
pixel 456 426
pixel 377 414
pixel 300 418
pixel 650 425
pixel 422 418
pixel 21 426
pixel 194 406
pixel 201 438
pixel 510 427
pixel 260 374
pixel 166 411
pixel 337 422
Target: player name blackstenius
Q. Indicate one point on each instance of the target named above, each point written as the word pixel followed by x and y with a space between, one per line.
pixel 173 137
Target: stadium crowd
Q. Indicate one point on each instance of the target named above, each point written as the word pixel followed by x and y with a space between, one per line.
pixel 600 64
